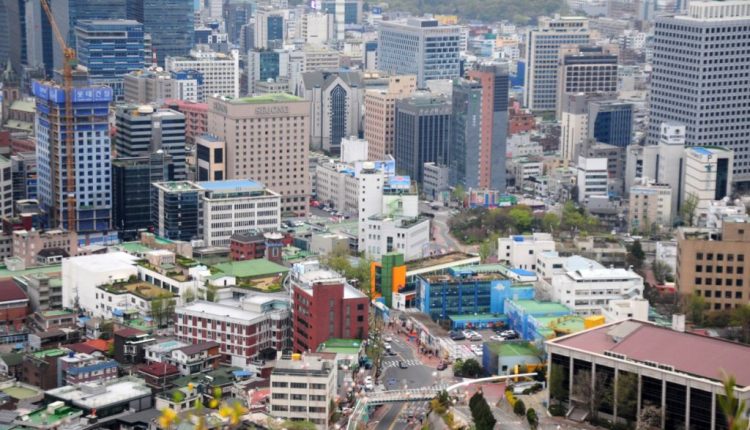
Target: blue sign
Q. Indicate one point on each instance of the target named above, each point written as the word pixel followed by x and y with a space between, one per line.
pixel 90 95
pixel 400 182
pixel 376 10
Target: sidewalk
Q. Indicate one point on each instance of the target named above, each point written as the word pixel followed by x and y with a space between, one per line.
pixel 426 359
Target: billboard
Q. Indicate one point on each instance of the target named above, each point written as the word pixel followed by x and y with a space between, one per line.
pixel 80 95
pixel 399 182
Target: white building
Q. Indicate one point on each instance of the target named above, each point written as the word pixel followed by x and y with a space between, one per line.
pixel 593 178
pixel 302 388
pixel 274 19
pixel 245 329
pixel 620 310
pixel 586 290
pixel 236 206
pixel 221 72
pixel 353 149
pixel 6 182
pixel 81 277
pixel 650 206
pixel 708 177
pixel 522 251
pixel 407 236
pixel 310 58
pixel 155 85
pixel 315 28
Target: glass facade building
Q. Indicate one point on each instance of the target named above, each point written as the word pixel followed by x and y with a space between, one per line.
pixel 169 22
pixel 131 184
pixel 466 123
pixel 611 122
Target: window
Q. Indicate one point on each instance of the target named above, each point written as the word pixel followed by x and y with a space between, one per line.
pixel 699 268
pixel 720 257
pixel 740 270
pixel 698 281
pixel 699 256
pixel 710 256
pixel 740 257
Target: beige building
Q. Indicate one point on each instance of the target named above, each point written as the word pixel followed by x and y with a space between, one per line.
pixel 650 206
pixel 711 264
pixel 585 69
pixel 267 139
pixel 210 158
pixel 28 244
pixel 302 388
pixel 380 115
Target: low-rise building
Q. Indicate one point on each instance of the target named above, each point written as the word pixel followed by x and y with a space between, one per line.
pixel 384 234
pixel 106 399
pixel 650 207
pixel 130 345
pixel 74 369
pixel 302 388
pixel 200 357
pixel 522 251
pixel 14 306
pixel 29 244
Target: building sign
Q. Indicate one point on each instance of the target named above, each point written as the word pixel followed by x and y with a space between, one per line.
pixel 91 95
pixel 271 110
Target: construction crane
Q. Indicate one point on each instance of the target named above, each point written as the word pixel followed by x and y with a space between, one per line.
pixel 69 65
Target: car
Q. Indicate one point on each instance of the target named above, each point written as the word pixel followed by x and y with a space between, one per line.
pixel 369 386
pixel 467 333
pixel 391 353
pixel 457 335
pixel 402 365
pixel 497 338
pixel 475 337
pixel 388 339
pixel 442 365
pixel 368 379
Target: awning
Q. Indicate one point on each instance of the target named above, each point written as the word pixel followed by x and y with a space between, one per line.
pixel 242 373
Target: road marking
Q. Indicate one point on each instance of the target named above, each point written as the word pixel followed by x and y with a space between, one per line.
pixel 400 409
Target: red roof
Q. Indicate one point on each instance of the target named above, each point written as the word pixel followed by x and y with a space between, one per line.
pixel 99 344
pixel 129 332
pixel 10 291
pixel 159 369
pixel 686 352
pixel 81 348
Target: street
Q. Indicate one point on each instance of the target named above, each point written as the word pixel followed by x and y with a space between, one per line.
pixel 441 231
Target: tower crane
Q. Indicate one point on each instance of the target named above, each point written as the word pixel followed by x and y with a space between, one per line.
pixel 69 64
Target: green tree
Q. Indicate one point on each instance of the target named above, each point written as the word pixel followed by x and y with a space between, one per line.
pixel 459 193
pixel 550 222
pixel 741 318
pixel 521 218
pixel 519 408
pixel 650 418
pixel 627 396
pixel 458 367
pixel 687 211
pixel 532 418
pixel 157 310
pixel 211 292
pixel 558 391
pixel 635 254
pixel 169 306
pixel 662 271
pixel 188 296
pixel 732 407
pixel 471 368
pixel 485 251
pixel 695 308
pixel 481 412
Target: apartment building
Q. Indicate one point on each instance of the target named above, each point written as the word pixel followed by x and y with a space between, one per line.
pixel 302 388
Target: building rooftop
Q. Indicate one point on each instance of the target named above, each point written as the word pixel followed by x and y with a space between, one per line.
pixel 642 342
pixel 6 273
pixel 43 417
pixel 439 260
pixel 535 307
pixel 302 364
pixel 231 184
pixel 341 346
pixel 251 268
pixel 476 317
pixel 144 290
pixel 513 349
pixel 221 309
pixel 267 98
pixel 198 347
pixel 11 292
pixel 28 106
pixel 53 352
pixel 95 396
pixel 177 186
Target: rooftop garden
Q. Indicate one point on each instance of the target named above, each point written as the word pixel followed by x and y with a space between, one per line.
pixel 144 290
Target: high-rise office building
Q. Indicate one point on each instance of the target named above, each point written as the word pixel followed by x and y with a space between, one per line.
pixel 23 166
pixel 495 80
pixel 110 49
pixel 380 121
pixel 264 65
pixel 220 72
pixel 237 13
pixel 169 22
pixel 156 86
pixel 611 122
pixel 421 47
pixel 174 209
pixel 423 133
pixel 131 188
pixel 542 58
pixel 13 33
pixel 142 130
pixel 92 168
pixel 585 69
pixel 273 149
pixel 464 152
pixel 269 29
pixel 695 78
pixel 352 10
pixel 336 100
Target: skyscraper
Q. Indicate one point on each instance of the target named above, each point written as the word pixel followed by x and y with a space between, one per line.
pixel 169 22
pixel 423 133
pixel 220 72
pixel 611 122
pixel 110 49
pixel 379 123
pixel 696 79
pixel 542 57
pixel 131 187
pixel 92 166
pixel 585 69
pixel 142 130
pixel 495 80
pixel 464 153
pixel 12 35
pixel 419 46
pixel 269 29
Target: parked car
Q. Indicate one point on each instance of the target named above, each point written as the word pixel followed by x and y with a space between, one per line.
pixel 388 339
pixel 402 365
pixel 475 337
pixel 457 336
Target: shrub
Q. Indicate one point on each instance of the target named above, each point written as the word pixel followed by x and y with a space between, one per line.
pixel 557 410
pixel 511 398
pixel 532 418
pixel 536 388
pixel 438 407
pixel 519 408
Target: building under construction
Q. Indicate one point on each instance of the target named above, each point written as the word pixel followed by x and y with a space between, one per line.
pixel 92 165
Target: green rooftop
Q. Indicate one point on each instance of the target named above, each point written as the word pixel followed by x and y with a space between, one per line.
pixel 40 417
pixel 513 349
pixel 535 307
pixel 341 346
pixel 267 98
pixel 134 248
pixel 21 393
pixel 54 352
pixel 5 273
pixel 251 268
pixel 477 317
pixel 12 358
pixel 56 313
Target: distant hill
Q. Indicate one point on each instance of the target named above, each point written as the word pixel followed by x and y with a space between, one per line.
pixel 517 11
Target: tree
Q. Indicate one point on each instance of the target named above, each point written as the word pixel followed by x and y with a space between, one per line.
pixel 687 211
pixel 459 193
pixel 485 251
pixel 732 407
pixel 741 317
pixel 157 310
pixel 662 271
pixel 519 408
pixel 471 368
pixel 550 222
pixel 458 367
pixel 211 292
pixel 627 395
pixel 481 412
pixel 532 418
pixel 521 218
pixel 169 305
pixel 650 418
pixel 635 254
pixel 188 296
pixel 558 391
pixel 593 391
pixel 695 308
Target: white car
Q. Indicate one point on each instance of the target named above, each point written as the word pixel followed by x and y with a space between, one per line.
pixel 388 339
pixel 497 338
pixel 387 346
pixel 368 380
pixel 467 333
pixel 369 386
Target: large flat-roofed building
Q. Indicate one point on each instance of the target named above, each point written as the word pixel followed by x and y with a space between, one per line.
pixel 221 72
pixel 678 374
pixel 267 139
pixel 109 398
pixel 302 388
pixel 711 264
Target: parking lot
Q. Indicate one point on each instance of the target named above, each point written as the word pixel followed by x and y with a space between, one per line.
pixel 473 348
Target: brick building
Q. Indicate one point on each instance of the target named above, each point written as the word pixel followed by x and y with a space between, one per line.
pixel 14 306
pixel 247 246
pixel 325 306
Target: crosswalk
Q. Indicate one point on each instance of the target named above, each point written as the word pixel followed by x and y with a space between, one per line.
pixel 394 363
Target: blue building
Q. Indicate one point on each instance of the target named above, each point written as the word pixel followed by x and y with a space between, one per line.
pixel 611 122
pixel 174 209
pixel 466 123
pixel 537 321
pixel 169 22
pixel 352 10
pixel 92 167
pixel 110 49
pixel 470 296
